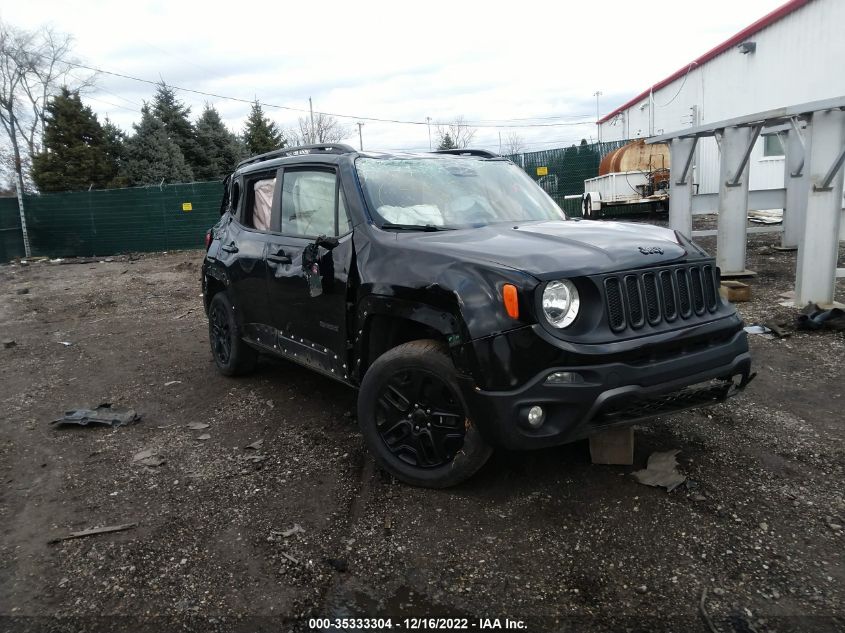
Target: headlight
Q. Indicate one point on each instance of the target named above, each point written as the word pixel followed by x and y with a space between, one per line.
pixel 560 303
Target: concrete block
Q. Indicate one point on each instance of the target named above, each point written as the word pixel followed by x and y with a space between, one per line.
pixel 614 446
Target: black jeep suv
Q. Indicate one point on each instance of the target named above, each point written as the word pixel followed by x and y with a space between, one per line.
pixel 465 307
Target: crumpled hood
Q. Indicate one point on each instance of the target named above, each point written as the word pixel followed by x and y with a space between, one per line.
pixel 550 249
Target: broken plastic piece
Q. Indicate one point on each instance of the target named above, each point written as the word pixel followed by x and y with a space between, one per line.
pixel 104 414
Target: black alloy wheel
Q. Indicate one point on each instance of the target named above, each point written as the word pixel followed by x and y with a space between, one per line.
pixel 415 420
pixel 231 354
pixel 221 334
pixel 420 419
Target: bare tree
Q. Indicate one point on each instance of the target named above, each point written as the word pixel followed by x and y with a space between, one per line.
pixel 458 132
pixel 326 129
pixel 33 66
pixel 514 144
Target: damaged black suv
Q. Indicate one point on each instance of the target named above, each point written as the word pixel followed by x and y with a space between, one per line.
pixel 461 302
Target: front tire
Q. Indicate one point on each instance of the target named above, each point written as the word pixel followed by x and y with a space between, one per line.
pixel 232 356
pixel 414 418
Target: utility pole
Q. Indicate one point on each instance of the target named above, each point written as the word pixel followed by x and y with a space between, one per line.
pixel 597 94
pixel 500 142
pixel 311 137
pixel 360 136
pixel 428 120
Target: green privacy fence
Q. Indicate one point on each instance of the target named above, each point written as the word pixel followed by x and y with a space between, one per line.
pixel 562 172
pixel 87 223
pixel 11 239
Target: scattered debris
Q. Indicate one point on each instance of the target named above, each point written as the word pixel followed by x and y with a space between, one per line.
pixel 255 445
pixel 104 414
pixel 204 437
pixel 65 343
pixel 172 382
pixel 22 291
pixel 198 426
pixel 290 558
pixel 93 531
pixel 148 457
pixel 777 328
pixel 296 529
pixel 255 459
pixel 759 329
pixel 766 216
pixel 661 470
pixel 813 317
pixel 182 316
pixel 8 343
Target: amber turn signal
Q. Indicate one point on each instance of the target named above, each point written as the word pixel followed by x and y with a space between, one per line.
pixel 511 300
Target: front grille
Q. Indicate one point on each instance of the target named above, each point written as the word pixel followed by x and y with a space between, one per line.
pixel 661 295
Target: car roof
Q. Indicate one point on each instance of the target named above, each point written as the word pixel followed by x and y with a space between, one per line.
pixel 333 153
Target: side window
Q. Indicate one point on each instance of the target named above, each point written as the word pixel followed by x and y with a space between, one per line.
pixel 256 207
pixel 308 203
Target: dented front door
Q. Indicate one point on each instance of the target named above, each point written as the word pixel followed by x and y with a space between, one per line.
pixel 308 268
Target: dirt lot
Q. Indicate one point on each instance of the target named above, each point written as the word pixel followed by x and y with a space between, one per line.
pixel 543 537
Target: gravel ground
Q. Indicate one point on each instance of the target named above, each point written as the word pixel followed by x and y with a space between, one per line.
pixel 545 537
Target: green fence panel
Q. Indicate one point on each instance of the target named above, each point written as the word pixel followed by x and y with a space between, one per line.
pixel 562 172
pixel 11 237
pixel 88 223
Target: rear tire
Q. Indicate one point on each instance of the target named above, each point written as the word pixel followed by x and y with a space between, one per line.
pixel 232 355
pixel 414 418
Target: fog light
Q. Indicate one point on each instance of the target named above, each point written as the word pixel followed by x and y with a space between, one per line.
pixel 536 417
pixel 564 378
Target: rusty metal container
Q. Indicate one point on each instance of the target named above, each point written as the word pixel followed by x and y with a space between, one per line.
pixel 636 156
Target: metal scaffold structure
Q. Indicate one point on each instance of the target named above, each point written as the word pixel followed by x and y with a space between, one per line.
pixel 813 138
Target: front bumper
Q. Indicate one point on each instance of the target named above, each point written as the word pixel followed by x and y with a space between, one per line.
pixel 613 393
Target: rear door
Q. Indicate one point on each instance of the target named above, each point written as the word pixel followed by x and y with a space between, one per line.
pixel 307 278
pixel 243 250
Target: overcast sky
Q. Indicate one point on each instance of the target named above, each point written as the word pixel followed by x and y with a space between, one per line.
pixel 490 61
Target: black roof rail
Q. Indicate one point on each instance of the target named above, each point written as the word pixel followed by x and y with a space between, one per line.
pixel 483 153
pixel 317 148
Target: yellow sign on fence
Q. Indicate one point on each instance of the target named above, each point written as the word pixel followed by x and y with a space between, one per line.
pixel 187 206
pixel 542 171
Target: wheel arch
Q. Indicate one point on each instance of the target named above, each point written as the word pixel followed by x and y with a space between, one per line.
pixel 386 322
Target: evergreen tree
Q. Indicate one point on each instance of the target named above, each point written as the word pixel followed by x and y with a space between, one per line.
pixel 114 142
pixel 176 118
pixel 219 148
pixel 446 142
pixel 73 155
pixel 151 156
pixel 260 134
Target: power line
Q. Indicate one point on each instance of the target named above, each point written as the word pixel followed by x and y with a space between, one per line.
pixel 304 110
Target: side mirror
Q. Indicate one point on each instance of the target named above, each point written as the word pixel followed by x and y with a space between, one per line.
pixel 327 242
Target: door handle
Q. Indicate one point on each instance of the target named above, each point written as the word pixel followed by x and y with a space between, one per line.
pixel 279 257
pixel 229 248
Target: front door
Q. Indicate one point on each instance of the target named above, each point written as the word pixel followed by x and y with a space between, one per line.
pixel 307 276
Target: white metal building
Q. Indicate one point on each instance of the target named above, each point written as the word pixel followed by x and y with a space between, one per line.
pixel 795 54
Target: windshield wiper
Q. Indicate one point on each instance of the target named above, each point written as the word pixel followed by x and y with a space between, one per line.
pixel 415 227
